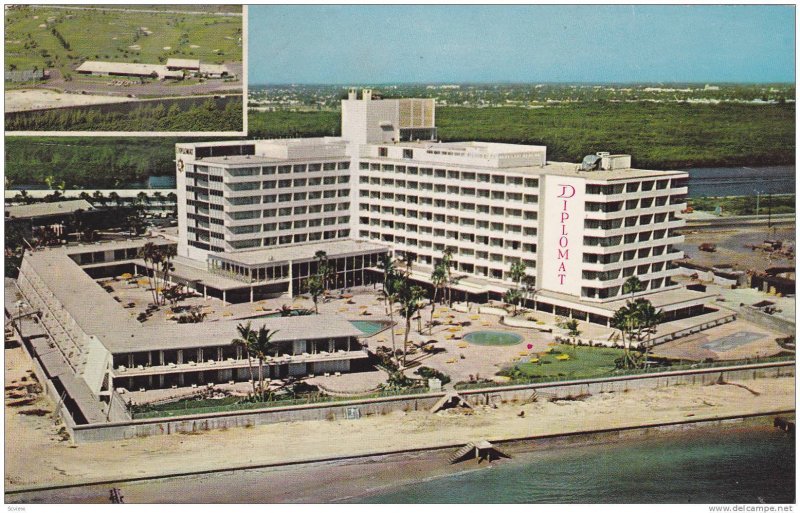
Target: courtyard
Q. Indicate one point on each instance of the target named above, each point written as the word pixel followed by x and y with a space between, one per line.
pixel 441 344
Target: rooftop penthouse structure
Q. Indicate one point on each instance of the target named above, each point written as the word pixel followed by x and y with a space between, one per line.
pixel 581 229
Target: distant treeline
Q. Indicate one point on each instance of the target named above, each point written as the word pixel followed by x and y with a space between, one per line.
pixel 657 135
pixel 179 115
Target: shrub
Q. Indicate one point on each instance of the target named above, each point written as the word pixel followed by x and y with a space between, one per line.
pixel 428 372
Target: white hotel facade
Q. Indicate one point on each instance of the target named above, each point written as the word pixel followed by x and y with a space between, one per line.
pixel 258 210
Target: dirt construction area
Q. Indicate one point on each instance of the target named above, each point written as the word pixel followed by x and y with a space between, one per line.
pixel 87 90
pixel 730 246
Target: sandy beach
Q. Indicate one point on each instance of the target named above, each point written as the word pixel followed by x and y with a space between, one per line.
pixel 36 457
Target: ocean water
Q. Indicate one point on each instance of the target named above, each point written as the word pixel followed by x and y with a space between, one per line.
pixel 741 181
pixel 726 466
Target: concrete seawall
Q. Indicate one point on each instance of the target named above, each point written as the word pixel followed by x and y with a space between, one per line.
pixel 379 406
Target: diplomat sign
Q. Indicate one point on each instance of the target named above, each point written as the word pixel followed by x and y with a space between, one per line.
pixel 562 237
pixel 566 193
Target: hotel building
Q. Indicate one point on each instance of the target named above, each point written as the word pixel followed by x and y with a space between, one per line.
pixel 581 229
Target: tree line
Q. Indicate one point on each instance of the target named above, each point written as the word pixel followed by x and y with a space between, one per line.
pixel 656 135
pixel 206 116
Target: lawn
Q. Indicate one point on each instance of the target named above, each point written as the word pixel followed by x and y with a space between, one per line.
pixel 584 362
pixel 129 36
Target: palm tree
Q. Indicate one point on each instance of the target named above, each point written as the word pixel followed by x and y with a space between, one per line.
pixel 410 298
pixel 151 254
pixel 513 296
pixel 323 269
pixel 167 254
pixel 315 288
pixel 649 319
pixel 386 264
pixel 99 197
pixel 626 320
pixel 244 341
pixel 517 272
pixel 447 262
pixel 113 196
pixel 631 286
pixel 438 280
pixel 390 293
pixel 261 346
pixel 529 288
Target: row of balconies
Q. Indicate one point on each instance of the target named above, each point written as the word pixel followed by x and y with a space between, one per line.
pixel 232 237
pixel 622 263
pixel 664 273
pixel 263 177
pixel 603 216
pixel 623 230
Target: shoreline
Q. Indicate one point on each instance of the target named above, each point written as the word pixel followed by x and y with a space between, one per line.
pixel 354 477
pixel 63 464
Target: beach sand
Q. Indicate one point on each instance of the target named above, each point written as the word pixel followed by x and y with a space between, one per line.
pixel 34 457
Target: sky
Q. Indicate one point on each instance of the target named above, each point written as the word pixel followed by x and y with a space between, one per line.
pixel 357 44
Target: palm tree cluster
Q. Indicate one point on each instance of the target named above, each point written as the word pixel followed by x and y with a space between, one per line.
pixel 525 285
pixel 399 288
pixel 256 344
pixel 158 260
pixel 636 318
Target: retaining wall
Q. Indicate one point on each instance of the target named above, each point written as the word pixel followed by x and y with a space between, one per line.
pixel 203 422
pixel 628 383
pixel 697 328
pixel 766 320
pixel 384 405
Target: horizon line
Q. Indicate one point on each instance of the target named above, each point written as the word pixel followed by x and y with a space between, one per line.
pixel 511 82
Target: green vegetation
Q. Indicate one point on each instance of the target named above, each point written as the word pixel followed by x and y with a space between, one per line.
pixel 87 162
pixel 520 378
pixel 657 135
pixel 584 362
pixel 62 38
pixel 267 125
pixel 746 205
pixel 166 116
pixel 429 372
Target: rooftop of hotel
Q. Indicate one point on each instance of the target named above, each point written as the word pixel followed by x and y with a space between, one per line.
pixel 96 311
pixel 46 209
pixel 301 252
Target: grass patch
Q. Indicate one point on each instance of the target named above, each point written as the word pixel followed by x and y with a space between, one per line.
pixel 115 35
pixel 584 362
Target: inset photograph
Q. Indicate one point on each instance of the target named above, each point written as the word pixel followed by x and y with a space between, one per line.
pixel 138 68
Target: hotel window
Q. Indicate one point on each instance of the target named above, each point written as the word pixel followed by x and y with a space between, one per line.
pixel 408 154
pixel 383 152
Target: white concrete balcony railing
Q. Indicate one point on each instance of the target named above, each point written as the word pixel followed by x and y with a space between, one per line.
pixel 603 216
pixel 637 228
pixel 605 250
pixel 232 363
pixel 244 179
pixel 618 282
pixel 621 264
pixel 623 196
